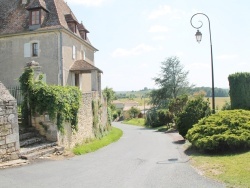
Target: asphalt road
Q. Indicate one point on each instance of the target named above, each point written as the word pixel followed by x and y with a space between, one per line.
pixel 140 159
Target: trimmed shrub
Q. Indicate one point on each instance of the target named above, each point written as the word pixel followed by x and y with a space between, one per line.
pixel 191 114
pixel 156 118
pixel 226 130
pixel 240 90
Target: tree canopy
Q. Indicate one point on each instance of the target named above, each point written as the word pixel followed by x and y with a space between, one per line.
pixel 109 94
pixel 172 81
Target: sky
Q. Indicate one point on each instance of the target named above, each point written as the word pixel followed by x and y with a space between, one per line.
pixel 135 36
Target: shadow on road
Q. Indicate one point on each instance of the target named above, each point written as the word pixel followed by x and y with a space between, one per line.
pixel 179 142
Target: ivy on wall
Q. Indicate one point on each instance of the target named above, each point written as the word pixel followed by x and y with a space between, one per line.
pixel 60 102
pixel 99 129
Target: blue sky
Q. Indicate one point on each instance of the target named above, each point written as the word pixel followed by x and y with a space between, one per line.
pixel 134 36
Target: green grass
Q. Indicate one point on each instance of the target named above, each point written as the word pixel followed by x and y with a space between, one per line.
pixel 96 144
pixel 135 121
pixel 234 169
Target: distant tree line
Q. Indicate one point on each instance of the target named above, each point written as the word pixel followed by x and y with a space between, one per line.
pixel 218 92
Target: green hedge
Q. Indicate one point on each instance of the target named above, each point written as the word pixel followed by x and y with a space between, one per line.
pixel 224 131
pixel 240 90
pixel 194 110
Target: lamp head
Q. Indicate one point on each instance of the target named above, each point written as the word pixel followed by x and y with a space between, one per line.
pixel 198 36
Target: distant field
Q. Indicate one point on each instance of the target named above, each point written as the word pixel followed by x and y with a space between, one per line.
pixel 139 100
pixel 219 101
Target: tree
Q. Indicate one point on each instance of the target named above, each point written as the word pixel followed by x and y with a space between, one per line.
pixel 177 105
pixel 109 94
pixel 172 80
pixel 134 112
pixel 159 98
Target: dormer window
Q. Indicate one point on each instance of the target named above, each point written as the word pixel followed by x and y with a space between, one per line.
pixel 35 17
pixel 72 22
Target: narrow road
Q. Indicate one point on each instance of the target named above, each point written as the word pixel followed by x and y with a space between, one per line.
pixel 142 158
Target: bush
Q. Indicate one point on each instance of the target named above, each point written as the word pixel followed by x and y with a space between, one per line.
pixel 191 114
pixel 134 112
pixel 226 106
pixel 156 118
pixel 152 118
pixel 115 115
pixel 165 117
pixel 226 130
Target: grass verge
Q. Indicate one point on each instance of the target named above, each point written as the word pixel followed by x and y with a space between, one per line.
pixel 96 144
pixel 135 121
pixel 232 169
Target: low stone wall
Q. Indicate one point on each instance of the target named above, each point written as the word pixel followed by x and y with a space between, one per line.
pixel 9 130
pixel 69 138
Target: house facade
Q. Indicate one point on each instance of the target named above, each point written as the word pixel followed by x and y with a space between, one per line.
pixel 46 31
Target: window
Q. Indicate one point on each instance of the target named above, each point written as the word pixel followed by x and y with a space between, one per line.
pixel 83 55
pixel 34 49
pixel 35 17
pixel 31 49
pixel 74 52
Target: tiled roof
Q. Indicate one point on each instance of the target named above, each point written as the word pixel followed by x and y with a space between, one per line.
pixel 83 66
pixel 14 17
pixel 81 27
pixel 69 18
pixel 37 4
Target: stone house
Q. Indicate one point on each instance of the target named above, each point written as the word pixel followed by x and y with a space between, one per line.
pixel 46 31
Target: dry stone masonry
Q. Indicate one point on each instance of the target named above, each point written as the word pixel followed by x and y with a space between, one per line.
pixel 9 130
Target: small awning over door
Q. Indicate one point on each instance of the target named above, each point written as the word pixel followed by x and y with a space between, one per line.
pixel 82 66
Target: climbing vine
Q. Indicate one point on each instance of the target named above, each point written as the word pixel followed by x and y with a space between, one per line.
pixel 99 129
pixel 61 103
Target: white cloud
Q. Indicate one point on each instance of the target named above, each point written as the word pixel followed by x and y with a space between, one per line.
pixel 141 48
pixel 198 66
pixel 227 56
pixel 87 2
pixel 158 29
pixel 159 37
pixel 166 10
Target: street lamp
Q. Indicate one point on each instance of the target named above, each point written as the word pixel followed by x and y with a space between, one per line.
pixel 198 36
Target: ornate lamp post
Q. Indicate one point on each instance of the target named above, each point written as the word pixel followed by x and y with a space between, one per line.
pixel 198 36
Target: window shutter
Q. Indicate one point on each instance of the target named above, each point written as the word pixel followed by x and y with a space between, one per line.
pixel 27 51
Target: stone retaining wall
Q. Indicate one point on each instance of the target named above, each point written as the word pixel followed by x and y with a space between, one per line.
pixel 69 138
pixel 9 130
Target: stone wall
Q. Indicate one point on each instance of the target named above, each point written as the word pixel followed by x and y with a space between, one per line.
pixel 9 130
pixel 69 138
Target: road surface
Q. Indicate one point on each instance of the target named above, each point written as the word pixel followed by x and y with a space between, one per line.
pixel 142 158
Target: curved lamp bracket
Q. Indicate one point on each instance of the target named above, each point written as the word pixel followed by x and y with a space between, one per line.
pixel 199 21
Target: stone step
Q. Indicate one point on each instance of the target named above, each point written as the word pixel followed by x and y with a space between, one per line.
pixel 31 141
pixel 42 152
pixel 26 135
pixel 35 147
